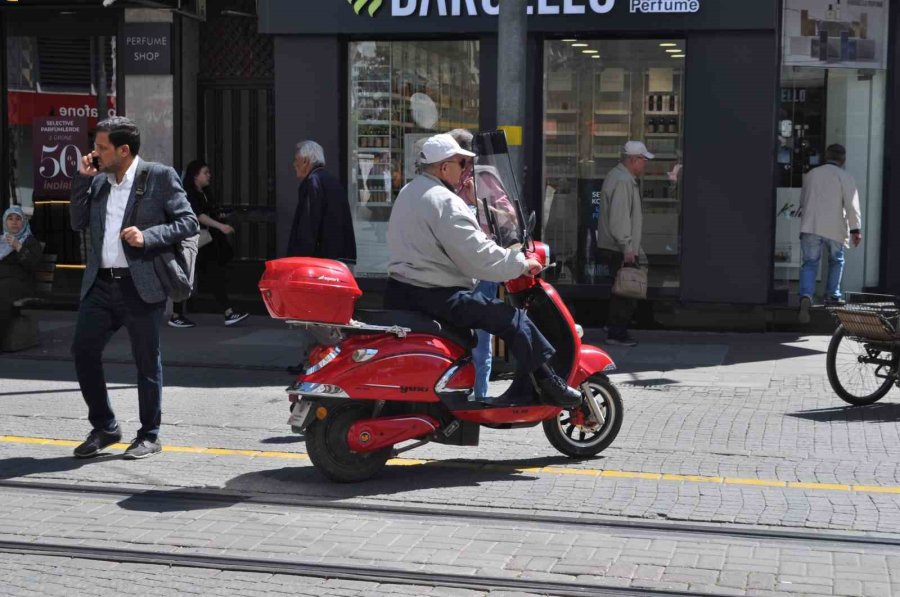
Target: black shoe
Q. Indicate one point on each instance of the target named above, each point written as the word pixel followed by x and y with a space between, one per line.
pixel 142 448
pixel 555 391
pixel 180 321
pixel 233 318
pixel 805 305
pixel 834 301
pixel 96 441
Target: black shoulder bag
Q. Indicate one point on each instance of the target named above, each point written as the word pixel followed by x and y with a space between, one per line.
pixel 174 265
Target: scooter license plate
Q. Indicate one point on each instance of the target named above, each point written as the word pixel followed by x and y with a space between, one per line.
pixel 301 414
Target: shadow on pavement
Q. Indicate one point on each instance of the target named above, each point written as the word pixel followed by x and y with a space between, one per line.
pixel 307 482
pixel 875 413
pixel 293 438
pixel 13 468
pixel 124 375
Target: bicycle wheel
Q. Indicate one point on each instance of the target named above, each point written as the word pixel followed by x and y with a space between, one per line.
pixel 859 373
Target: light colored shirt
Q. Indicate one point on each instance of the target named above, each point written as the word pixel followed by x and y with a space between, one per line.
pixel 434 241
pixel 113 251
pixel 621 217
pixel 829 203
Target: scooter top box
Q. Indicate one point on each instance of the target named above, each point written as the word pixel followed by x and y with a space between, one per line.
pixel 309 289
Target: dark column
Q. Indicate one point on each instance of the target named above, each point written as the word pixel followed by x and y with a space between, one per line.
pixel 4 115
pixel 308 105
pixel 729 189
pixel 890 243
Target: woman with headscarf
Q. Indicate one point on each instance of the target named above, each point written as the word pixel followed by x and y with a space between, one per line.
pixel 215 248
pixel 20 253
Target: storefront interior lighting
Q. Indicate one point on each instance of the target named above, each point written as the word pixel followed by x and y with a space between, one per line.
pixel 579 45
pixel 674 51
pixel 590 51
pixel 676 55
pixel 570 40
pixel 668 44
pixel 595 56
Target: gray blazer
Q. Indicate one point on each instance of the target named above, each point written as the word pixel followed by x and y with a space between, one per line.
pixel 165 217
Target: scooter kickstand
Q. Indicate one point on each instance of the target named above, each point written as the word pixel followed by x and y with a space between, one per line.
pixel 395 452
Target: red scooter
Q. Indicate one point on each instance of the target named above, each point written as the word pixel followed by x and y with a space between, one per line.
pixel 384 378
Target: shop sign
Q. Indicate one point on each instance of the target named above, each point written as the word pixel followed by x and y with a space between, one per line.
pixel 828 34
pixel 664 6
pixel 57 145
pixel 24 106
pixel 474 8
pixel 344 17
pixel 148 49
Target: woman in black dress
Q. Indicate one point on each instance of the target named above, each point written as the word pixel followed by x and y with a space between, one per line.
pixel 215 251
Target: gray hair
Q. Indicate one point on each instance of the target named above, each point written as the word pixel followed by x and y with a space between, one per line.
pixel 312 151
pixel 463 137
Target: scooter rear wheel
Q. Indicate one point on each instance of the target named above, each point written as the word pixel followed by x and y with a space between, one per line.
pixel 574 434
pixel 326 444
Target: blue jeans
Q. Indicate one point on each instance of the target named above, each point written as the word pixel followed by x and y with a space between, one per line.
pixel 811 246
pixel 482 354
pixel 109 305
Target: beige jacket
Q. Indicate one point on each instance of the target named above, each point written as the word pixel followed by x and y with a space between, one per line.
pixel 434 241
pixel 829 203
pixel 621 219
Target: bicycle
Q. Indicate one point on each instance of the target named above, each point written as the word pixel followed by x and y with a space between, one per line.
pixel 863 360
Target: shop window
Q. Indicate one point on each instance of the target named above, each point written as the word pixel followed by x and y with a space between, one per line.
pixel 400 92
pixel 597 96
pixel 47 78
pixel 820 107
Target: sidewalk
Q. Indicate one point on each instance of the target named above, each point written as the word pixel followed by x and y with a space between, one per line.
pixel 661 359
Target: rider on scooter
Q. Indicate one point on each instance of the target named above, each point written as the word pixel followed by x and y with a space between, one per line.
pixel 437 252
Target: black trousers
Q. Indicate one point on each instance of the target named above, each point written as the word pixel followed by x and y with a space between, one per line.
pixel 621 309
pixel 108 306
pixel 464 308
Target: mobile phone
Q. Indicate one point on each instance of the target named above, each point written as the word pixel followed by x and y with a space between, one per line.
pixel 95 162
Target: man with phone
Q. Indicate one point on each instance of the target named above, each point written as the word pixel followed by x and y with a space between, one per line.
pixel 120 286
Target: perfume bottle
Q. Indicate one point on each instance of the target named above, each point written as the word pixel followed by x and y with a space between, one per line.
pixel 829 14
pixel 837 11
pixel 651 103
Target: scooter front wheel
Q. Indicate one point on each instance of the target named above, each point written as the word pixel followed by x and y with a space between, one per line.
pixel 326 444
pixel 577 433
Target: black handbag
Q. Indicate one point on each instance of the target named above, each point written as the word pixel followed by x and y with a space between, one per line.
pixel 175 264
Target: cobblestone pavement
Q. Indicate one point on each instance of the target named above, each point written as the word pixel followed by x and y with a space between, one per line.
pixel 744 414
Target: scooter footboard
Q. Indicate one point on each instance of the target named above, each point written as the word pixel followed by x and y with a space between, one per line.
pixel 591 360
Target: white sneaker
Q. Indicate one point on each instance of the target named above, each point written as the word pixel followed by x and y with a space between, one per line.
pixel 234 318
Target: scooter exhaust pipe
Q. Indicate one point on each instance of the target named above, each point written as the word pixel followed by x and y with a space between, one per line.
pixel 370 435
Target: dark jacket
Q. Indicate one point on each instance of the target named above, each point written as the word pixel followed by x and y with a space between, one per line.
pixel 323 226
pixel 165 218
pixel 17 270
pixel 220 249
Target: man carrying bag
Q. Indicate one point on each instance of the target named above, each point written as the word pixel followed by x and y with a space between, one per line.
pixel 139 218
pixel 619 232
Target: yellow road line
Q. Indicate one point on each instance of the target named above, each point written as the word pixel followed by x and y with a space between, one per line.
pixel 493 467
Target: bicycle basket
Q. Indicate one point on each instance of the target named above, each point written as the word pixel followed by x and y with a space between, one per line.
pixel 869 316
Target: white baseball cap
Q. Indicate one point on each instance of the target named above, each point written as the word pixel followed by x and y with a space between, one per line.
pixel 441 147
pixel 637 148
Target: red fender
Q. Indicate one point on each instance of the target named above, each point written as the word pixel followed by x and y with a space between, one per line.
pixel 591 360
pixel 369 435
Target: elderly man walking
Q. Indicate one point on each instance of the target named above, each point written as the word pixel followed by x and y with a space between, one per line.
pixel 830 217
pixel 619 232
pixel 323 225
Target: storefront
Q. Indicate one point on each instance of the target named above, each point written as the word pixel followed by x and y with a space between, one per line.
pixel 704 83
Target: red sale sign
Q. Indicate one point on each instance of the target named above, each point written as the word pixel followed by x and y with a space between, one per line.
pixel 57 145
pixel 27 105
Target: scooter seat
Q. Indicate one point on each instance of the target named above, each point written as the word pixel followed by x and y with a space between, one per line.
pixel 419 323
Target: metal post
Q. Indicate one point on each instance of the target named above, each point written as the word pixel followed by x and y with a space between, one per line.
pixel 102 101
pixel 512 36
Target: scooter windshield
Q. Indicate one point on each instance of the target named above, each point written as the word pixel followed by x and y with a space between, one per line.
pixel 496 191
